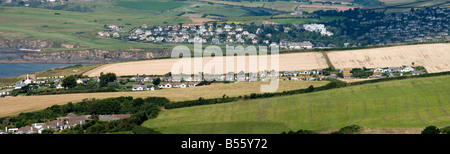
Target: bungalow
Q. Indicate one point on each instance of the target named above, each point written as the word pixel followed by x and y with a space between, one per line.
pixel 5 92
pixel 254 41
pixel 133 36
pixel 378 70
pixel 407 69
pixel 19 85
pixel 227 28
pixel 166 79
pixel 148 32
pixel 418 72
pixel 219 31
pixel 395 69
pixel 304 72
pixel 116 35
pixel 137 79
pixel 81 81
pixel 239 29
pixel 179 85
pixel 103 34
pixel 149 79
pixel 151 38
pixel 165 85
pixel 139 87
pixel 306 45
pixel 290 73
pixel 138 31
pixel 159 39
pixel 27 130
pixel 113 117
pixel 282 79
pixel 59 86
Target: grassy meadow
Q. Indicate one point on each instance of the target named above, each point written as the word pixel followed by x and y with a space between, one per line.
pixel 150 5
pixel 403 104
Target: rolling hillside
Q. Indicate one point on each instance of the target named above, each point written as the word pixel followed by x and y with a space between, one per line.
pixel 406 105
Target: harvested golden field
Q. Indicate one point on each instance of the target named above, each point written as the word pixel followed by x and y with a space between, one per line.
pixel 287 62
pixel 434 57
pixel 15 105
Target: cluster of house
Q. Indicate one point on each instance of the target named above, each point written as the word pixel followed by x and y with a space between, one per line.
pixel 317 28
pixel 146 83
pixel 414 26
pixel 114 29
pixel 212 34
pixel 226 34
pixel 32 79
pixel 391 72
pixel 180 82
pixel 61 123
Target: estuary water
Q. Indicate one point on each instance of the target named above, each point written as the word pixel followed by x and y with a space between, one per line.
pixel 16 69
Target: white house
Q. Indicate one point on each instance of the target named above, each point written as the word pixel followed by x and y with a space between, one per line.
pixel 28 80
pixel 19 85
pixel 165 85
pixel 407 69
pixel 378 70
pixel 139 87
pixel 59 86
pixel 179 85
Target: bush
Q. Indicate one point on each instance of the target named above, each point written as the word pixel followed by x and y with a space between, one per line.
pixel 445 130
pixel 144 130
pixel 431 130
pixel 353 129
pixel 301 131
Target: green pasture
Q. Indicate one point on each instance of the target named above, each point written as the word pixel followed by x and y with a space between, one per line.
pixel 411 103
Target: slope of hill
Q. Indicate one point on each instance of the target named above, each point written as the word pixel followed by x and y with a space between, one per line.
pixel 394 105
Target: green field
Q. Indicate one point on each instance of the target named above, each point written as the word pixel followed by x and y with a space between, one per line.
pixel 77 28
pixel 150 5
pixel 408 104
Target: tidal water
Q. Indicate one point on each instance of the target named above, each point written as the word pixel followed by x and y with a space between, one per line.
pixel 16 69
